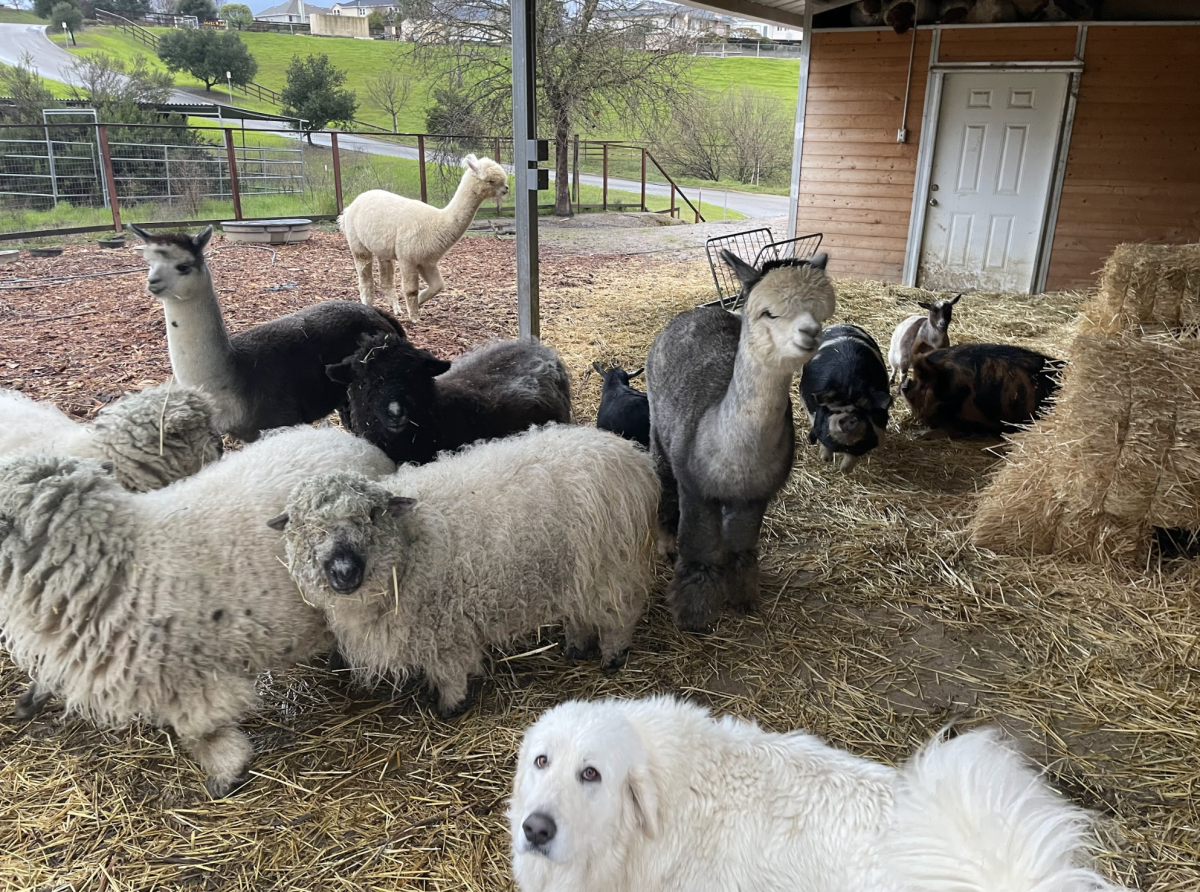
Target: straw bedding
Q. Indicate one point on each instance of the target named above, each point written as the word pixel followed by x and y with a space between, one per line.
pixel 880 623
pixel 1120 454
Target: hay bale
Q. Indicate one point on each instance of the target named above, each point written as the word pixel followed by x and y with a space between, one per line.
pixel 1120 453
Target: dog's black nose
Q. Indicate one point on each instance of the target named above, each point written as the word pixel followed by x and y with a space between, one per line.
pixel 539 828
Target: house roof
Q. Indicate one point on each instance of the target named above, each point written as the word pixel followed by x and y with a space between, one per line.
pixel 365 4
pixel 291 7
pixel 777 12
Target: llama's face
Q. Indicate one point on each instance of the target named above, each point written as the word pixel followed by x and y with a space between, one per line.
pixel 785 310
pixel 177 268
pixel 490 175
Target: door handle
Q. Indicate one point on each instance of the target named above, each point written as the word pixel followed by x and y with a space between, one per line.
pixel 933 202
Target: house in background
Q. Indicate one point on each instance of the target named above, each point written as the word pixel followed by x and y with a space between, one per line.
pixel 771 32
pixel 293 12
pixel 361 7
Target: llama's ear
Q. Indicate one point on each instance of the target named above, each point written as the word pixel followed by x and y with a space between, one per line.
pixel 279 521
pixel 746 274
pixel 139 232
pixel 471 163
pixel 819 261
pixel 202 239
pixel 341 372
pixel 398 506
pixel 641 793
pixel 435 366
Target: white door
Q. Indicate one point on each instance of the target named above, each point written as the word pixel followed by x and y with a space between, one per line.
pixel 996 138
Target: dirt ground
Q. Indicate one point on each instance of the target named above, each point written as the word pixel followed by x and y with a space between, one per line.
pixel 879 624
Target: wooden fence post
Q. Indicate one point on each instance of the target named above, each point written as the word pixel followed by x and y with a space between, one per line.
pixel 106 157
pixel 337 170
pixel 421 161
pixel 233 178
pixel 643 180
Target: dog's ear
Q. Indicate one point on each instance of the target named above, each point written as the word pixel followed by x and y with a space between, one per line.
pixel 641 793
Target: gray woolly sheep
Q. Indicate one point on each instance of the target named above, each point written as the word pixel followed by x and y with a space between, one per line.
pixel 426 568
pixel 152 438
pixel 164 605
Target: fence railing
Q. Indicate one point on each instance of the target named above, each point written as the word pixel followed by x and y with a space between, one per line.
pixel 160 174
pixel 759 49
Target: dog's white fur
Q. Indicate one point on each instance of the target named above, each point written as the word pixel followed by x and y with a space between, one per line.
pixel 685 802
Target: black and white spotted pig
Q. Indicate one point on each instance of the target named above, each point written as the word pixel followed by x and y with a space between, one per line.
pixel 847 394
pixel 975 389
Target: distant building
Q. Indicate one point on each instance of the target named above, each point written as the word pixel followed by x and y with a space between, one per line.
pixel 682 21
pixel 770 32
pixel 361 7
pixel 293 12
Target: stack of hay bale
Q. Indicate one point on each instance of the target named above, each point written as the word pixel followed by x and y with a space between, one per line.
pixel 1120 453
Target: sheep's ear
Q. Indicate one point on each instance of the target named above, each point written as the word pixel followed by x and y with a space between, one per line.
pixel 202 239
pixel 141 233
pixel 745 273
pixel 341 372
pixel 642 795
pixel 633 375
pixel 278 522
pixel 924 305
pixel 435 366
pixel 398 506
pixel 819 261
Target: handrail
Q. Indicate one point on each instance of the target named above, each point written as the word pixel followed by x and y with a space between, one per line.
pixel 145 36
pixel 674 186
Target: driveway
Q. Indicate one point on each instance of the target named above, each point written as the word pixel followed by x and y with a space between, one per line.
pixel 53 62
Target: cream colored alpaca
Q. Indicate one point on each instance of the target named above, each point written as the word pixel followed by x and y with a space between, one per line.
pixel 410 233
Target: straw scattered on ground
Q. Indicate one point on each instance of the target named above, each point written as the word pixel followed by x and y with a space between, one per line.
pixel 880 623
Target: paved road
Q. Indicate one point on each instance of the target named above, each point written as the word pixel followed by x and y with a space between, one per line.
pixel 53 62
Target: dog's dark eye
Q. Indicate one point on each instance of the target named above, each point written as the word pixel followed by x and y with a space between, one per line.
pixel 541 762
pixel 590 774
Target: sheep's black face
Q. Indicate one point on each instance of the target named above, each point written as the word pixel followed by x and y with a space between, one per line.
pixel 345 568
pixel 394 413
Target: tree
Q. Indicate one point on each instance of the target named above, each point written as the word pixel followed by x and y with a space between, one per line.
pixel 593 59
pixel 375 21
pixel 117 89
pixel 43 8
pixel 388 91
pixel 237 14
pixel 22 84
pixel 204 10
pixel 66 13
pixel 207 54
pixel 314 93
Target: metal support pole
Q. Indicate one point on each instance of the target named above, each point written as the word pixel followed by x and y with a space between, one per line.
pixel 525 178
pixel 337 170
pixel 421 164
pixel 496 158
pixel 801 103
pixel 167 173
pixel 233 179
pixel 575 174
pixel 604 185
pixel 109 179
pixel 50 158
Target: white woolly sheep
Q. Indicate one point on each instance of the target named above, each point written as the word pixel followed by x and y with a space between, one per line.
pixel 404 231
pixel 152 438
pixel 478 548
pixel 656 794
pixel 164 605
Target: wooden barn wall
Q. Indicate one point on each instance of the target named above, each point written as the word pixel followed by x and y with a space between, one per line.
pixel 1133 169
pixel 856 181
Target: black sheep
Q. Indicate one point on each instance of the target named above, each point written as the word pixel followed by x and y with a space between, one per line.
pixel 413 405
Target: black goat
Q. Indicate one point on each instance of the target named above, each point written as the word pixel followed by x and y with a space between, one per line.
pixel 623 410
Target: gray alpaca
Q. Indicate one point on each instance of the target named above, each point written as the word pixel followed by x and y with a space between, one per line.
pixel 721 431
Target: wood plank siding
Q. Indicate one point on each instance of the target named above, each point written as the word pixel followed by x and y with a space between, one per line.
pixel 856 181
pixel 1133 169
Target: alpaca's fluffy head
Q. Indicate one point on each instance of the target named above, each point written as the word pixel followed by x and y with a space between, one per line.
pixel 330 528
pixel 157 436
pixel 487 177
pixel 177 267
pixel 582 789
pixel 787 301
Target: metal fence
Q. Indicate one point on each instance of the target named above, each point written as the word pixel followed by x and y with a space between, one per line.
pixel 757 48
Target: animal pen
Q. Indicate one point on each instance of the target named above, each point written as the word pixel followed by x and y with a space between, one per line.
pixel 884 616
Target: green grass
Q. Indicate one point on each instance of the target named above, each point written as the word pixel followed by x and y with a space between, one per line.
pixel 20 17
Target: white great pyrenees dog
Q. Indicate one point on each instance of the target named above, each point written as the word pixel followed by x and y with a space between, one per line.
pixel 656 795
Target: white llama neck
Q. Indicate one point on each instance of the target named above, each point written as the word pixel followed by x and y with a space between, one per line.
pixel 757 398
pixel 459 213
pixel 201 352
